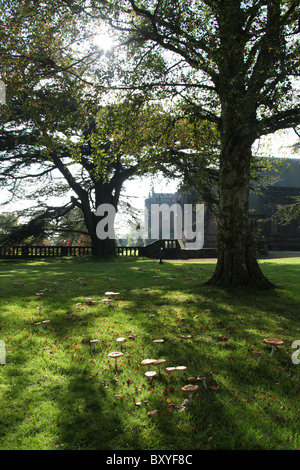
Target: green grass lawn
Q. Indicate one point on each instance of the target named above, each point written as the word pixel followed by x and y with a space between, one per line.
pixel 59 391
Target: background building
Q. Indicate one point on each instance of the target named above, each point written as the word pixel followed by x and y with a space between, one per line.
pixel 264 205
pixel 281 185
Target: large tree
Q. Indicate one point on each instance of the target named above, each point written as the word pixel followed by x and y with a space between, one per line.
pixel 57 121
pixel 235 63
pixel 93 167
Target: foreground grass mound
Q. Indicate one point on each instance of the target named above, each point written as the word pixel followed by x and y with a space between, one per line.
pixel 59 389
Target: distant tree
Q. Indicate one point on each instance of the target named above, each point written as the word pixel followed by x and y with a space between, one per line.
pixel 107 152
pixel 8 221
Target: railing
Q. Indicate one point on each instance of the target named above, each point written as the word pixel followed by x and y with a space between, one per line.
pixel 59 251
pixel 128 250
pixel 43 251
pixel 152 250
pixel 166 249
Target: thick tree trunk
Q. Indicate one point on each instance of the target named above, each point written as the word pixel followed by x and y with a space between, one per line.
pixel 103 248
pixel 237 265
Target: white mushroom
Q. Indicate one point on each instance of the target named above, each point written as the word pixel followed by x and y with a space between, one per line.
pixel 186 337
pixel 170 370
pixel 94 342
pixel 181 369
pixel 158 342
pixel 158 363
pixel 148 362
pixel 150 374
pixel 121 341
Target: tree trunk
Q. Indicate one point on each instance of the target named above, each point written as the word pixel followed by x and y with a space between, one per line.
pixel 103 248
pixel 237 265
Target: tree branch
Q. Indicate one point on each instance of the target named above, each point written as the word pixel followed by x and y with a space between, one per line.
pixel 282 120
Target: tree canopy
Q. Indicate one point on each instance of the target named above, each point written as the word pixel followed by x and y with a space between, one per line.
pixel 56 123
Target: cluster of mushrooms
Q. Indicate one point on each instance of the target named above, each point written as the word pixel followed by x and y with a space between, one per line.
pixel 190 389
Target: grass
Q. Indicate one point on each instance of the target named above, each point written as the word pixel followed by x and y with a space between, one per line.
pixel 60 392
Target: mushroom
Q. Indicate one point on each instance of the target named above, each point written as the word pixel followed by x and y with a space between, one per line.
pixel 190 389
pixel 94 341
pixel 186 337
pixel 158 363
pixel 192 380
pixel 115 356
pixel 158 342
pixel 148 362
pixel 151 316
pixel 273 342
pixel 202 379
pixel 69 313
pixel 170 370
pixel 181 369
pixel 121 340
pixel 177 406
pixel 112 293
pixel 150 374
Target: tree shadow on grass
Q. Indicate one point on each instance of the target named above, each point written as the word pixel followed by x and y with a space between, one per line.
pixel 91 417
